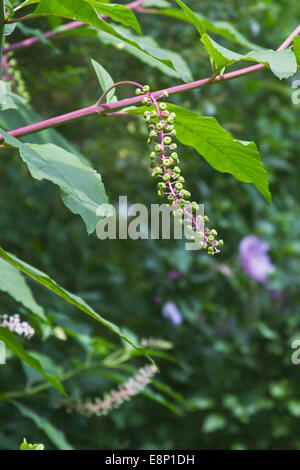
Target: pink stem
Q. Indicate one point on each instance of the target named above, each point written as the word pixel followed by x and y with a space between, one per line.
pixel 137 99
pixel 69 26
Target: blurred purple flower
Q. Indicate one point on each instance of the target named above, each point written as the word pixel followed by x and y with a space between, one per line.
pixel 157 299
pixel 173 275
pixel 170 312
pixel 255 260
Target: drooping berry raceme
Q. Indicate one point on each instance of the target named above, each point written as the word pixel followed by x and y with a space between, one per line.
pixel 11 73
pixel 165 168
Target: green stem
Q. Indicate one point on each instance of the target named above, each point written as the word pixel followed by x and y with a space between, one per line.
pixel 45 385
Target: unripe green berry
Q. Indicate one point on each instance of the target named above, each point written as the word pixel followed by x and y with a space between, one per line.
pixel 153 113
pixel 174 155
pixel 167 162
pixel 152 155
pixel 152 134
pixel 178 186
pixel 157 148
pixel 162 106
pixel 170 198
pixel 138 91
pixel 221 242
pixel 173 146
pixel 159 126
pixel 166 177
pixel 161 186
pixel 173 132
pixel 167 140
pixel 146 88
pixel 206 219
pixel 165 94
pixel 145 101
pixel 177 170
pixel 214 232
pixel 181 179
pixel 170 119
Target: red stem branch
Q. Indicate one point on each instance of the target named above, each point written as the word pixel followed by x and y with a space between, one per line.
pixel 108 108
pixel 67 27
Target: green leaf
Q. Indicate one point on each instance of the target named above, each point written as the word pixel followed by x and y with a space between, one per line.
pixel 213 423
pixel 8 99
pixel 119 13
pixel 81 10
pixel 46 281
pixel 14 284
pixel 26 446
pixel 81 187
pixel 105 81
pixel 218 147
pixel 15 346
pixel 9 29
pixel 282 63
pixel 55 435
pixel 193 17
pixel 147 43
pixel 156 3
pixel 297 48
pixel 222 28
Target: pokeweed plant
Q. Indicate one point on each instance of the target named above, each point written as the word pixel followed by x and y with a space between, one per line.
pixel 82 188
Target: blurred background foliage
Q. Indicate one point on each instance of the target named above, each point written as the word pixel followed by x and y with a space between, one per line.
pixel 232 383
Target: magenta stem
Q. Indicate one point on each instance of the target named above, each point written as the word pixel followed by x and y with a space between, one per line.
pixel 67 27
pixel 107 108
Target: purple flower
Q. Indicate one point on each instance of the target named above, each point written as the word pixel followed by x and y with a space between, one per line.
pixel 255 260
pixel 171 312
pixel 173 275
pixel 157 299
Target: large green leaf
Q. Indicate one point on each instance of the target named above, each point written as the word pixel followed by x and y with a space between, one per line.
pixel 15 346
pixel 193 17
pixel 46 281
pixel 117 13
pixel 218 147
pixel 297 49
pixel 148 43
pixel 222 28
pixel 13 283
pixel 282 63
pixel 81 10
pixel 105 81
pixel 81 187
pixel 55 435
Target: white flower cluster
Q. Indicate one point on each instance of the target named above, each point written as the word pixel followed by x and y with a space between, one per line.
pixel 102 406
pixel 14 324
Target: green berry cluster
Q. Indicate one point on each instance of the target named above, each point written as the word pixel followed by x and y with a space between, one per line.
pixel 165 166
pixel 12 74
